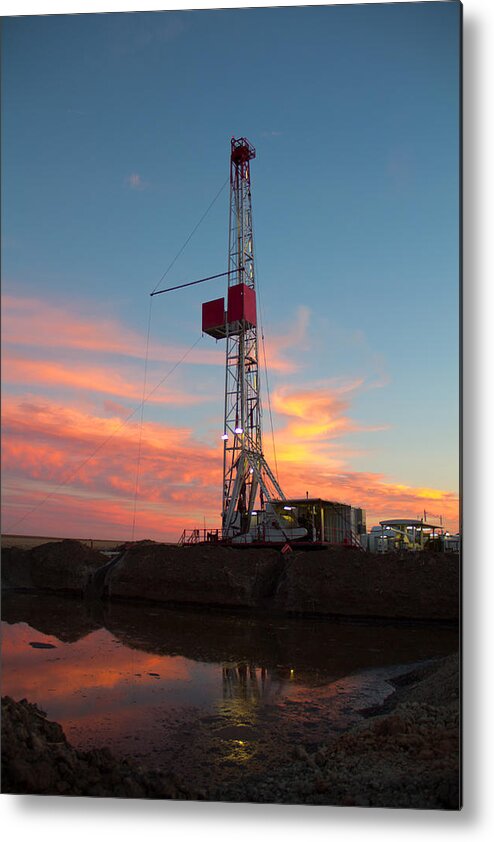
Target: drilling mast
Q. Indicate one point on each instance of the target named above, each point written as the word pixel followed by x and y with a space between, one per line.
pixel 248 482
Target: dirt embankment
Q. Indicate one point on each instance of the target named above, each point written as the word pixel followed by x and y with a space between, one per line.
pixel 199 575
pixel 337 581
pixel 341 581
pixel 407 756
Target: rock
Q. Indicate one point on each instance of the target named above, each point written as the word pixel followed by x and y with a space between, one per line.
pixel 300 753
pixel 389 726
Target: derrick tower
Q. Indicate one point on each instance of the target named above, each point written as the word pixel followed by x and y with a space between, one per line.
pixel 248 482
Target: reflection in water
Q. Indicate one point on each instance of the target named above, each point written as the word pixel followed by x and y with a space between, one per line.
pixel 243 682
pixel 194 690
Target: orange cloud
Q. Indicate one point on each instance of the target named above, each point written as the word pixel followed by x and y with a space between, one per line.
pixel 86 466
pixel 311 459
pixel 32 322
pixel 320 410
pixel 72 473
pixel 293 339
pixel 321 413
pixel 97 378
pixel 379 496
pixel 47 479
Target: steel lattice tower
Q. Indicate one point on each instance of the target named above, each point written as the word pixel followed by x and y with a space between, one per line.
pixel 248 482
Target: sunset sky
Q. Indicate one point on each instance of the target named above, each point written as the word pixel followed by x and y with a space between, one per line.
pixel 115 140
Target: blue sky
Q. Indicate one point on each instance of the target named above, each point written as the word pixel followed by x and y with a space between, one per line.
pixel 115 139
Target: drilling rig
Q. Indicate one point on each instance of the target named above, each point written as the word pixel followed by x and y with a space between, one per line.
pixel 249 484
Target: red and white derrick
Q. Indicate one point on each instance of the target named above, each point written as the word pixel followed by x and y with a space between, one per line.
pixel 249 485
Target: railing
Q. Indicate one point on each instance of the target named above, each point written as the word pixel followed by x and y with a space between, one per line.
pixel 337 535
pixel 200 536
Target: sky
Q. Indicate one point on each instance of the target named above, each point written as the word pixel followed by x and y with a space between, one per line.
pixel 115 141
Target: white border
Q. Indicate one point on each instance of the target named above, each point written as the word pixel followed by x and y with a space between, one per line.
pixel 53 819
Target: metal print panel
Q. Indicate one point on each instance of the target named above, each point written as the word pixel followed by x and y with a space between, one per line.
pixel 231 556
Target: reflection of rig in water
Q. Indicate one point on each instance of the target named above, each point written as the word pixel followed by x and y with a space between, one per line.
pixel 247 683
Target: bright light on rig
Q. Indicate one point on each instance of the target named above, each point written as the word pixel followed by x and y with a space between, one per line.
pixel 225 436
pixel 239 430
pixel 251 471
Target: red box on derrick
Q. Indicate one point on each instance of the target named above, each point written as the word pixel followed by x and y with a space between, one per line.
pixel 242 304
pixel 213 318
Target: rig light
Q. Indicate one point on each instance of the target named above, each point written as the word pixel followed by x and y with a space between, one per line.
pixel 239 430
pixel 225 436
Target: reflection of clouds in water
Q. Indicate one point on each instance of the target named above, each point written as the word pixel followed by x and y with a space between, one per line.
pixel 99 686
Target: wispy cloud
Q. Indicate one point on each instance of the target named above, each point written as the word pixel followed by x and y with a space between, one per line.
pixel 85 458
pixel 29 322
pixel 321 410
pixel 96 378
pixel 136 182
pixel 70 453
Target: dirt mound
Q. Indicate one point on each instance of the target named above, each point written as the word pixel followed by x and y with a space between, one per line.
pixel 351 583
pixel 337 581
pixel 38 760
pixel 58 565
pixel 199 575
pixel 16 568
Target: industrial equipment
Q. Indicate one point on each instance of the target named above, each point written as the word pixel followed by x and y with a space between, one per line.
pixel 254 508
pixel 249 484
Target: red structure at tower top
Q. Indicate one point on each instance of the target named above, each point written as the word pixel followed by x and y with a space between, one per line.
pixel 242 150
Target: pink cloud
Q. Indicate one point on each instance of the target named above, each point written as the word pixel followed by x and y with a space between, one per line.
pixel 35 323
pixel 73 455
pixel 83 465
pixel 96 378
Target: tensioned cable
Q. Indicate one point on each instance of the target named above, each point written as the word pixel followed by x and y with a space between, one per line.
pixel 103 443
pixel 265 361
pixel 138 465
pixel 191 234
pixel 187 241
